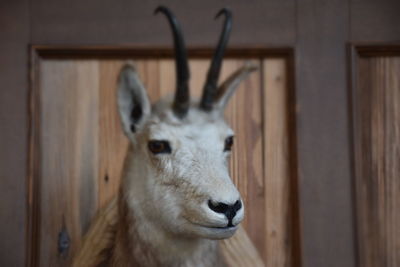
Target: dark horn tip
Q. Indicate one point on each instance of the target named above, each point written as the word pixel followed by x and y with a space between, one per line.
pixel 224 11
pixel 160 9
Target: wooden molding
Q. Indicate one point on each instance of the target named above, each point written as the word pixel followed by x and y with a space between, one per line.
pixel 126 51
pixel 359 54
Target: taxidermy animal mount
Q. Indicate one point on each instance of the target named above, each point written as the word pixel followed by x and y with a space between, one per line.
pixel 176 196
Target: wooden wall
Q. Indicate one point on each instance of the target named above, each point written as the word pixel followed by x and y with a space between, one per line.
pixel 81 148
pixel 318 30
pixel 377 160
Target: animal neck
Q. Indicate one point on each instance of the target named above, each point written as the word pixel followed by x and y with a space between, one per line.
pixel 142 241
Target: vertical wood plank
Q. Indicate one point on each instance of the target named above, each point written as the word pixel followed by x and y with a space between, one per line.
pixel 244 114
pixel 113 143
pixel 276 164
pixel 69 159
pixel 377 147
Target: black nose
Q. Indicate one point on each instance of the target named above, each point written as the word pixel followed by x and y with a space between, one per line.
pixel 228 210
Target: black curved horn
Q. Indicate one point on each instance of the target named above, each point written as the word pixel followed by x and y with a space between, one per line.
pixel 182 95
pixel 210 87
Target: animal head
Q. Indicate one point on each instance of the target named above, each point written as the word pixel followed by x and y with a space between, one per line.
pixel 181 147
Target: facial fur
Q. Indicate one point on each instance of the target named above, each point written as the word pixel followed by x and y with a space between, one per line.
pixel 176 187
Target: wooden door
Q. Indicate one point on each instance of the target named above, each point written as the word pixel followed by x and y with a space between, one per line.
pixel 329 136
pixel 78 146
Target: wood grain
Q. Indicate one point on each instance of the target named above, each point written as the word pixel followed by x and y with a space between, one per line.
pixel 83 146
pixel 244 114
pixel 377 160
pixel 113 143
pixel 276 164
pixel 69 154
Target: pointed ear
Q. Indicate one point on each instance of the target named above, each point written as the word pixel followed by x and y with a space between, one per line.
pixel 227 88
pixel 133 102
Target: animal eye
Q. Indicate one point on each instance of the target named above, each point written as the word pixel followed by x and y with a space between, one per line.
pixel 159 146
pixel 228 143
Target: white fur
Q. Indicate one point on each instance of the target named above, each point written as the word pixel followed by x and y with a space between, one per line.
pixel 168 194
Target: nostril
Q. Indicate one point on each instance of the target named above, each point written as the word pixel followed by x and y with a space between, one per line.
pixel 237 206
pixel 228 210
pixel 219 207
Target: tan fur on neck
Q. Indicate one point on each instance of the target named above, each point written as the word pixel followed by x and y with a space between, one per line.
pixel 131 250
pixel 99 247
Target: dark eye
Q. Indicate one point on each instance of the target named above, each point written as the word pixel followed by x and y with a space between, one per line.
pixel 159 146
pixel 228 143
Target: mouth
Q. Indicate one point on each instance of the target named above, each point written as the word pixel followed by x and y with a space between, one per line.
pixel 227 227
pixel 219 227
pixel 215 232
